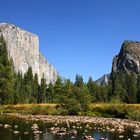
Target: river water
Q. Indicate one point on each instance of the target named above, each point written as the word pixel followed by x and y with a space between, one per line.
pixel 23 126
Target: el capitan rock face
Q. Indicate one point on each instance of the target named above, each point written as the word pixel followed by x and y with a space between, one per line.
pixel 23 48
pixel 128 60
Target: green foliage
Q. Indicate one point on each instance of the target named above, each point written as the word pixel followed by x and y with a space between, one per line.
pixel 79 81
pixel 28 87
pixel 17 95
pixel 138 89
pixel 6 74
pixel 50 93
pixel 131 87
pixel 58 91
pixel 43 110
pixel 90 85
pixel 133 114
pixel 42 91
pixel 115 100
pixel 124 87
pixel 72 107
pixel 35 89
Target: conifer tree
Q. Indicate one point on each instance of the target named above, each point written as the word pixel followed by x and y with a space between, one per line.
pixel 138 89
pixel 28 85
pixel 50 93
pixel 131 87
pixel 119 86
pixel 79 81
pixel 90 84
pixel 6 74
pixel 42 91
pixel 35 87
pixel 58 90
pixel 17 96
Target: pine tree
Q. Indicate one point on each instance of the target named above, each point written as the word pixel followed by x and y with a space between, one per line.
pixel 138 89
pixel 119 86
pixel 58 90
pixel 42 91
pixel 50 93
pixel 79 81
pixel 17 96
pixel 35 89
pixel 131 87
pixel 6 74
pixel 90 84
pixel 28 85
pixel 66 92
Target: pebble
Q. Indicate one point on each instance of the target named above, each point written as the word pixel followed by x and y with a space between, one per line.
pixel 73 132
pixel 121 136
pixel 88 138
pixel 16 126
pixel 26 133
pixel 34 127
pixel 137 131
pixel 36 132
pixel 16 132
pixel 1 125
pixel 6 126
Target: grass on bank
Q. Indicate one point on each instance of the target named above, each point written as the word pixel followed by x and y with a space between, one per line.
pixel 125 111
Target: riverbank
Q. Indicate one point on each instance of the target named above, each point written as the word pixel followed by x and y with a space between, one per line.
pixel 112 123
pixel 74 127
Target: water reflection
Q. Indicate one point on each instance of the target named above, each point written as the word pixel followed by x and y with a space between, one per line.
pixel 25 126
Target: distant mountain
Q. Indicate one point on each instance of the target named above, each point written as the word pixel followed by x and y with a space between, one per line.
pixel 103 80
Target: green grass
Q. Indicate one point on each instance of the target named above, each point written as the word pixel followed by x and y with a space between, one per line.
pixel 34 109
pixel 125 111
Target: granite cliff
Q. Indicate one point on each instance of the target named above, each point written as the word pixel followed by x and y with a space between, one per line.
pixel 23 48
pixel 128 59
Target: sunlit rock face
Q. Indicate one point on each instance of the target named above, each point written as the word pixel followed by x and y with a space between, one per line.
pixel 23 48
pixel 128 60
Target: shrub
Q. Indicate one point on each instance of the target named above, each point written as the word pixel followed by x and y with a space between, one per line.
pixel 72 107
pixel 133 115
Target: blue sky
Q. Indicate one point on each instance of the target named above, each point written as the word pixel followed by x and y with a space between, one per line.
pixel 77 36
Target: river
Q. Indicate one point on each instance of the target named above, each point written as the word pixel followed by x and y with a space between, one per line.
pixel 20 129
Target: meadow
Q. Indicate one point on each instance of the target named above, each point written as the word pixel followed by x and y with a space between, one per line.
pixel 107 110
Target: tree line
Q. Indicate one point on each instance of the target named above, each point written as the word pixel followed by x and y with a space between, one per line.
pixel 17 88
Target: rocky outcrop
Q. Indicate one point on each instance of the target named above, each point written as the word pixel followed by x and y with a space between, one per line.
pixel 102 81
pixel 128 60
pixel 23 48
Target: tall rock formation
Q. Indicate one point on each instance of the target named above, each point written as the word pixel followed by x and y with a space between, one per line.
pixel 128 59
pixel 23 48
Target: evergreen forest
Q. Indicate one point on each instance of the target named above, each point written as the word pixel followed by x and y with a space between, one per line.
pixel 75 96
